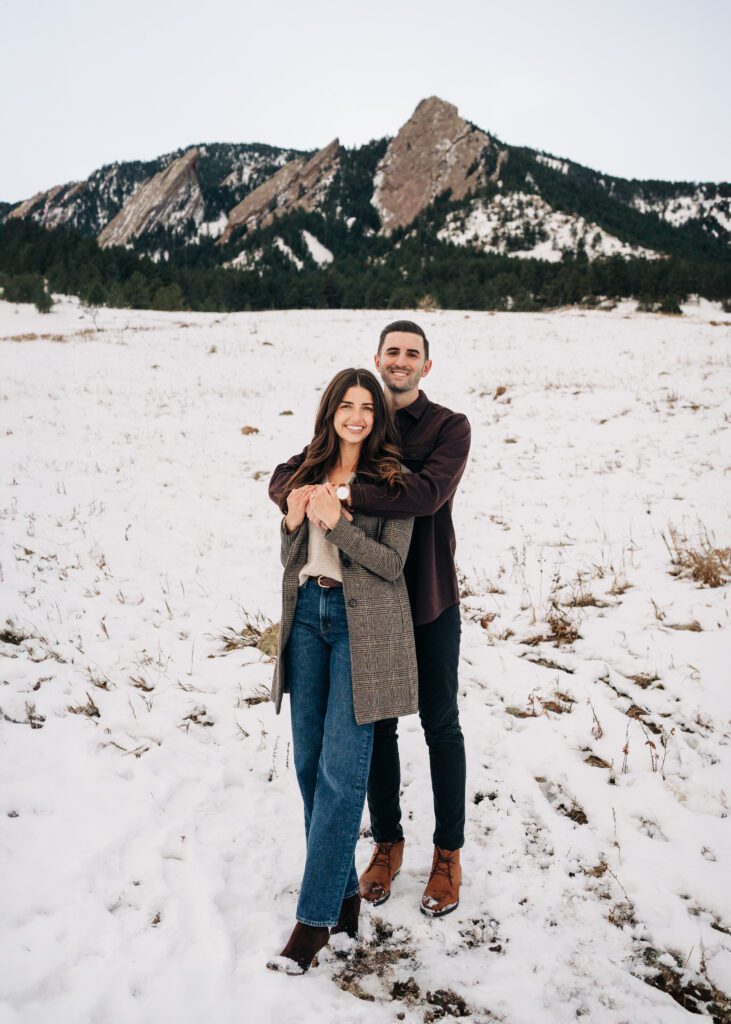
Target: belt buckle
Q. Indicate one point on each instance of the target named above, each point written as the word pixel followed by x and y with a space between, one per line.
pixel 322 586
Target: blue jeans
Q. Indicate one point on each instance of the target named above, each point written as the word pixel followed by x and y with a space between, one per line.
pixel 332 753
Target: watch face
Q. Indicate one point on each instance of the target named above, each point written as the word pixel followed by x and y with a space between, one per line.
pixel 343 492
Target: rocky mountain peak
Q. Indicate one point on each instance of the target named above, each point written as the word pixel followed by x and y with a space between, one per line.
pixel 299 185
pixel 171 196
pixel 49 207
pixel 435 150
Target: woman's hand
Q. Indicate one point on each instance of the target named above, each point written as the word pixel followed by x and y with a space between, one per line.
pixel 324 505
pixel 297 501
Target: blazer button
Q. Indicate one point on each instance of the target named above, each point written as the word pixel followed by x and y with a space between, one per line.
pixel 352 602
pixel 346 561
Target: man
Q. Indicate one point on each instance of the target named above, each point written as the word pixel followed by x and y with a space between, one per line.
pixel 435 444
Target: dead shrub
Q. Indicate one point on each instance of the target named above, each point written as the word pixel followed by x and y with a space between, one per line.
pixel 89 709
pixel 257 631
pixel 645 679
pixel 12 636
pixel 580 595
pixel 563 630
pixel 260 695
pixel 697 558
pixel 596 762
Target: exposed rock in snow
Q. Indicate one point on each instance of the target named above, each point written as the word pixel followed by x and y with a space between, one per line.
pixel 51 208
pixel 299 185
pixel 524 225
pixel 434 151
pixel 172 197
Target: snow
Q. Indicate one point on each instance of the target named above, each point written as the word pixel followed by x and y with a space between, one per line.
pixel 681 209
pixel 151 855
pixel 320 254
pixel 214 228
pixel 248 164
pixel 283 247
pixel 378 180
pixel 499 224
pixel 247 259
pixel 551 161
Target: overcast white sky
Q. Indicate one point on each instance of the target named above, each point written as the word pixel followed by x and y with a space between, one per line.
pixel 636 88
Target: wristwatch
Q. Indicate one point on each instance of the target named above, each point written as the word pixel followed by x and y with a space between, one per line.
pixel 342 491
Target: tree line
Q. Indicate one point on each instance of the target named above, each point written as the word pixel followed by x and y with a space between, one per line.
pixel 409 270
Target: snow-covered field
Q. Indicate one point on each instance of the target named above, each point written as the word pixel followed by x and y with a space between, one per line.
pixel 150 825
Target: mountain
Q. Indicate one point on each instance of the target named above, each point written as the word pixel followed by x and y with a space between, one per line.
pixel 211 179
pixel 442 194
pixel 301 184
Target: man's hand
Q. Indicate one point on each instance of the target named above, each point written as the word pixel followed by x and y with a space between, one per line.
pixel 324 505
pixel 297 503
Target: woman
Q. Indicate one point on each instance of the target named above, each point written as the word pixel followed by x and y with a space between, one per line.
pixel 346 646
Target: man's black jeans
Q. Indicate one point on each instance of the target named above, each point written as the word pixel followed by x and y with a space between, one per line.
pixel 437 654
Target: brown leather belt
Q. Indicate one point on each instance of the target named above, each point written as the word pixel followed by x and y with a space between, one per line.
pixel 326 583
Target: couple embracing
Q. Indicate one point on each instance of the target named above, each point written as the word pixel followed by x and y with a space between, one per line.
pixel 370 632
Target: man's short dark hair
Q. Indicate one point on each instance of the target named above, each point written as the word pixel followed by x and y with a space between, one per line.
pixel 407 327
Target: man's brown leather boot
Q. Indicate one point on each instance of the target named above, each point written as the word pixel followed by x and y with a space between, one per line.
pixel 375 882
pixel 441 895
pixel 301 950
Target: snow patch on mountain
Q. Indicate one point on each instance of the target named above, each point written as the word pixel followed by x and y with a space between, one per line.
pixel 695 206
pixel 247 259
pixel 551 161
pixel 248 166
pixel 284 248
pixel 524 225
pixel 320 254
pixel 213 228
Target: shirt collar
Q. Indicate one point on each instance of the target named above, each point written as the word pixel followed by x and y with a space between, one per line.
pixel 416 409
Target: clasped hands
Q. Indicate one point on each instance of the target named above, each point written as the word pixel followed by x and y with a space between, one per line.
pixel 319 503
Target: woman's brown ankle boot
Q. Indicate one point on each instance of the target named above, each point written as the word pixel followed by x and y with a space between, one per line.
pixel 349 914
pixel 302 948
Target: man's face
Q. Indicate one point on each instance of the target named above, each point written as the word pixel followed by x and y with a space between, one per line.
pixel 401 361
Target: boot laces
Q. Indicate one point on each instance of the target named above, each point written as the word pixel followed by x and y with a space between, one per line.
pixel 381 856
pixel 443 866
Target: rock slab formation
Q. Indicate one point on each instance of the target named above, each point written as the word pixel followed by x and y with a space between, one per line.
pixel 299 185
pixel 50 208
pixel 435 150
pixel 171 197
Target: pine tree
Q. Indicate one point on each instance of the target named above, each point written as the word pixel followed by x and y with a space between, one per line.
pixel 43 301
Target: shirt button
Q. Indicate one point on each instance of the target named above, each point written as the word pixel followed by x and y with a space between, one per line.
pixel 352 602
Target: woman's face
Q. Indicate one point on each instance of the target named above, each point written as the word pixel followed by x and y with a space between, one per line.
pixel 353 420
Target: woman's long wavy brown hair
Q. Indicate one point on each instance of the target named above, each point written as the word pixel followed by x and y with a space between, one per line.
pixel 379 460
